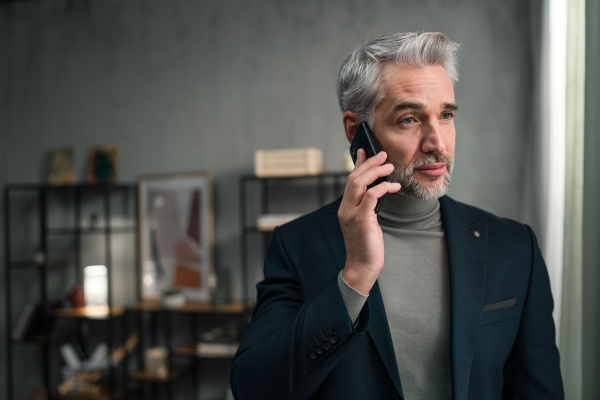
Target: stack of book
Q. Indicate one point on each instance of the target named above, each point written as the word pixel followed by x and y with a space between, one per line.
pixel 288 162
pixel 218 342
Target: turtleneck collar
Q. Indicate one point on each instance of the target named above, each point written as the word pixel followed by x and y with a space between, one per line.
pixel 399 211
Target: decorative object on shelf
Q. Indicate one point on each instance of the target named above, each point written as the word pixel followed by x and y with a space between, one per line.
pixel 173 298
pixel 218 342
pixel 103 164
pixel 77 297
pixel 82 380
pixel 268 222
pixel 288 162
pixel 61 167
pixel 156 362
pixel 70 357
pixel 176 234
pixel 99 360
pixel 95 285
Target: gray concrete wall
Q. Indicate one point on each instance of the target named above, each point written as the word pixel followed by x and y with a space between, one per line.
pixel 200 85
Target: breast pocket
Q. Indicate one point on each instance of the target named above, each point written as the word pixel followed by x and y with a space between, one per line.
pixel 501 311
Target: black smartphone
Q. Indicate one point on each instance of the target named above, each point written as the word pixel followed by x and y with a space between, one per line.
pixel 363 139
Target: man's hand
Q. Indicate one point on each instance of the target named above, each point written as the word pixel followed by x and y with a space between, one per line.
pixel 362 235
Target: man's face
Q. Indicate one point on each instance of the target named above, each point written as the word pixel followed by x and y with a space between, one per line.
pixel 414 124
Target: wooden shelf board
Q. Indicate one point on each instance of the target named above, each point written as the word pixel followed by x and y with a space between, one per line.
pixel 71 186
pixel 91 231
pixel 89 312
pixel 332 174
pixel 193 307
pixel 189 350
pixel 54 336
pixel 175 373
pixel 117 393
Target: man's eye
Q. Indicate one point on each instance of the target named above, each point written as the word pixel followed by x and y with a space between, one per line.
pixel 446 115
pixel 408 120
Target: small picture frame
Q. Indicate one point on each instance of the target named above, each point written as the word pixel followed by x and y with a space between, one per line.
pixel 103 164
pixel 61 167
pixel 176 234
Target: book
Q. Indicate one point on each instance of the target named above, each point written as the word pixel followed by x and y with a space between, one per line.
pixel 207 349
pixel 268 222
pixel 218 342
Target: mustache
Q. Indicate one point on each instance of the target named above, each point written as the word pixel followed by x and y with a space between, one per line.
pixel 434 158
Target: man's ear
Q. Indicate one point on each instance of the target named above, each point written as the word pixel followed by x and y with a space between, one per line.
pixel 351 122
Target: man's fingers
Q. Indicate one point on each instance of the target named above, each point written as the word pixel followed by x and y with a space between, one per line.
pixel 362 162
pixel 361 156
pixel 357 184
pixel 370 198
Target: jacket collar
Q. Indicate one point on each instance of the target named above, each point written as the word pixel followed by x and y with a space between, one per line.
pixel 466 262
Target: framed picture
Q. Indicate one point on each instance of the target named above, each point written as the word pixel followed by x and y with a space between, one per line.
pixel 61 167
pixel 176 234
pixel 103 164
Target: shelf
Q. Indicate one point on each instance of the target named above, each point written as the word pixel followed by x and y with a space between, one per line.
pixel 83 185
pixel 89 312
pixel 338 174
pixel 194 307
pixel 189 350
pixel 59 223
pixel 175 373
pixel 54 336
pixel 90 231
pixel 25 265
pixel 106 394
pixel 30 264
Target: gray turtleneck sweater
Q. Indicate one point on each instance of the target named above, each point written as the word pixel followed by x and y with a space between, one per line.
pixel 415 289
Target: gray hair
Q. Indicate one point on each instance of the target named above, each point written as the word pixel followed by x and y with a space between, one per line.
pixel 359 87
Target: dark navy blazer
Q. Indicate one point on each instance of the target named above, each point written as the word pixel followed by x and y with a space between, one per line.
pixel 301 343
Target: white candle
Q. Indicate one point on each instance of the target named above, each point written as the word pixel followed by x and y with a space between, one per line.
pixel 95 285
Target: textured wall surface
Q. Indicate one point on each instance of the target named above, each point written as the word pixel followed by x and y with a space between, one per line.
pixel 199 85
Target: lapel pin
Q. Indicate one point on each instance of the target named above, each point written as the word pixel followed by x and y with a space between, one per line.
pixel 476 234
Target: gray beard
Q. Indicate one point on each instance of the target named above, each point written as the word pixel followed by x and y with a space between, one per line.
pixel 412 188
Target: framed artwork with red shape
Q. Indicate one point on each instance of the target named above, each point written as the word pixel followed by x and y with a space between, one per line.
pixel 176 235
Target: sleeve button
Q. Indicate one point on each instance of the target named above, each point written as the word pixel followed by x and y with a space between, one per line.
pixel 326 342
pixel 334 337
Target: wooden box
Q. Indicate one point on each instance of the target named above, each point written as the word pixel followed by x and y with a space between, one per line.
pixel 288 162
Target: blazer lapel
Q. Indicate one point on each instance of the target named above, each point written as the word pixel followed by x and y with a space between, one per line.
pixel 378 329
pixel 466 238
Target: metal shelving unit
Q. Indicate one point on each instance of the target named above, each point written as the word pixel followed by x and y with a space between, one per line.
pixel 39 211
pixel 328 186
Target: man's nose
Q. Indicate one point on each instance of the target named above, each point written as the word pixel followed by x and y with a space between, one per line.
pixel 433 139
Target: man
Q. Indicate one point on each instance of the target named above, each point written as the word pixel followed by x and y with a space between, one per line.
pixel 429 298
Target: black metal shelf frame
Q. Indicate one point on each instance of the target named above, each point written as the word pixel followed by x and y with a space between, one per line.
pixel 337 180
pixel 42 266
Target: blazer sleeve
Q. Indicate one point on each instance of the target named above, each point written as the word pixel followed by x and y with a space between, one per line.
pixel 532 370
pixel 293 342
